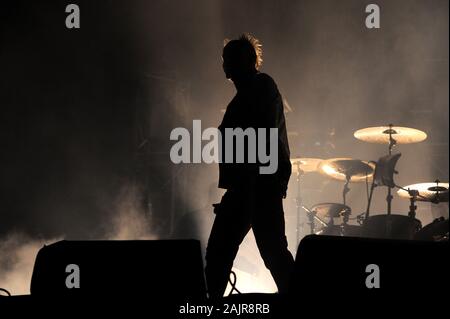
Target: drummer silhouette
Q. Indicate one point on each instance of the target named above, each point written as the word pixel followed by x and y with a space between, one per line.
pixel 252 200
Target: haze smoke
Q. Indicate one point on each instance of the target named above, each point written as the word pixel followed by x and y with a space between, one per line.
pixel 18 251
pixel 130 221
pixel 17 254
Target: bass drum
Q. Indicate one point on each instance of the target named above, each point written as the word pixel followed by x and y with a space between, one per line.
pixel 391 227
pixel 435 231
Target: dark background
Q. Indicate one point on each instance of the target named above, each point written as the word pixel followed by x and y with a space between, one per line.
pixel 86 113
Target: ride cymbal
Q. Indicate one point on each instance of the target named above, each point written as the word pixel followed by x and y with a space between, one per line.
pixel 382 134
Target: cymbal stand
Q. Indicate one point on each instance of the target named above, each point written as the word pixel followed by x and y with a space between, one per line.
pixel 414 194
pixel 369 202
pixel 392 144
pixel 412 207
pixel 437 198
pixel 346 189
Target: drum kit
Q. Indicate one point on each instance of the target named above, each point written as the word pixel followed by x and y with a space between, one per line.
pixel 322 216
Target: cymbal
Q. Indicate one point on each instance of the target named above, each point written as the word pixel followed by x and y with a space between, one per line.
pixel 305 164
pixel 344 169
pixel 429 192
pixel 380 135
pixel 330 210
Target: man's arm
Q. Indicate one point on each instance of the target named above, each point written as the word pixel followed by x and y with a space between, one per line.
pixel 270 114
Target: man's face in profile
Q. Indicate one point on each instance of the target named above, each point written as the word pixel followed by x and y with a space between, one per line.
pixel 227 65
pixel 238 61
pixel 234 64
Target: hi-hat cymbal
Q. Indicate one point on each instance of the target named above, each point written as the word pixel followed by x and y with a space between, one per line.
pixel 428 192
pixel 332 210
pixel 344 169
pixel 305 165
pixel 380 135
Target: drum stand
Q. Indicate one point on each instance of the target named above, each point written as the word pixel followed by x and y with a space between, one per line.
pixel 345 218
pixel 299 206
pixel 384 175
pixel 392 144
pixel 312 218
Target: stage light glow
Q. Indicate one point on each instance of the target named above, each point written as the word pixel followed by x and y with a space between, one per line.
pixel 330 170
pixel 248 283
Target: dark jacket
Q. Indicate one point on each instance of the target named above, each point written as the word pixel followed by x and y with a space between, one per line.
pixel 258 104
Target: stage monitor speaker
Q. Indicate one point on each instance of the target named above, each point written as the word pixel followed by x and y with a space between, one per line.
pixel 151 269
pixel 350 268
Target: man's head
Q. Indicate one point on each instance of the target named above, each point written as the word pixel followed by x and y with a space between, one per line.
pixel 241 56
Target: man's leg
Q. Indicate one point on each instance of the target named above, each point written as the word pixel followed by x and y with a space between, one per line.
pixel 269 229
pixel 230 226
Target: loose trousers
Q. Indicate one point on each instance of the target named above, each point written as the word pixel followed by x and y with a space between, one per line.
pixel 238 212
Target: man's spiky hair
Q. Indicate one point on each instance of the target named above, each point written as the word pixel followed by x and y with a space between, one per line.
pixel 254 43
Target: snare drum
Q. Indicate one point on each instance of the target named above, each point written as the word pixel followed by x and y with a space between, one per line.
pixel 391 226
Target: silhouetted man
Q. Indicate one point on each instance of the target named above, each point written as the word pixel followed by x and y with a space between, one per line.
pixel 252 200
